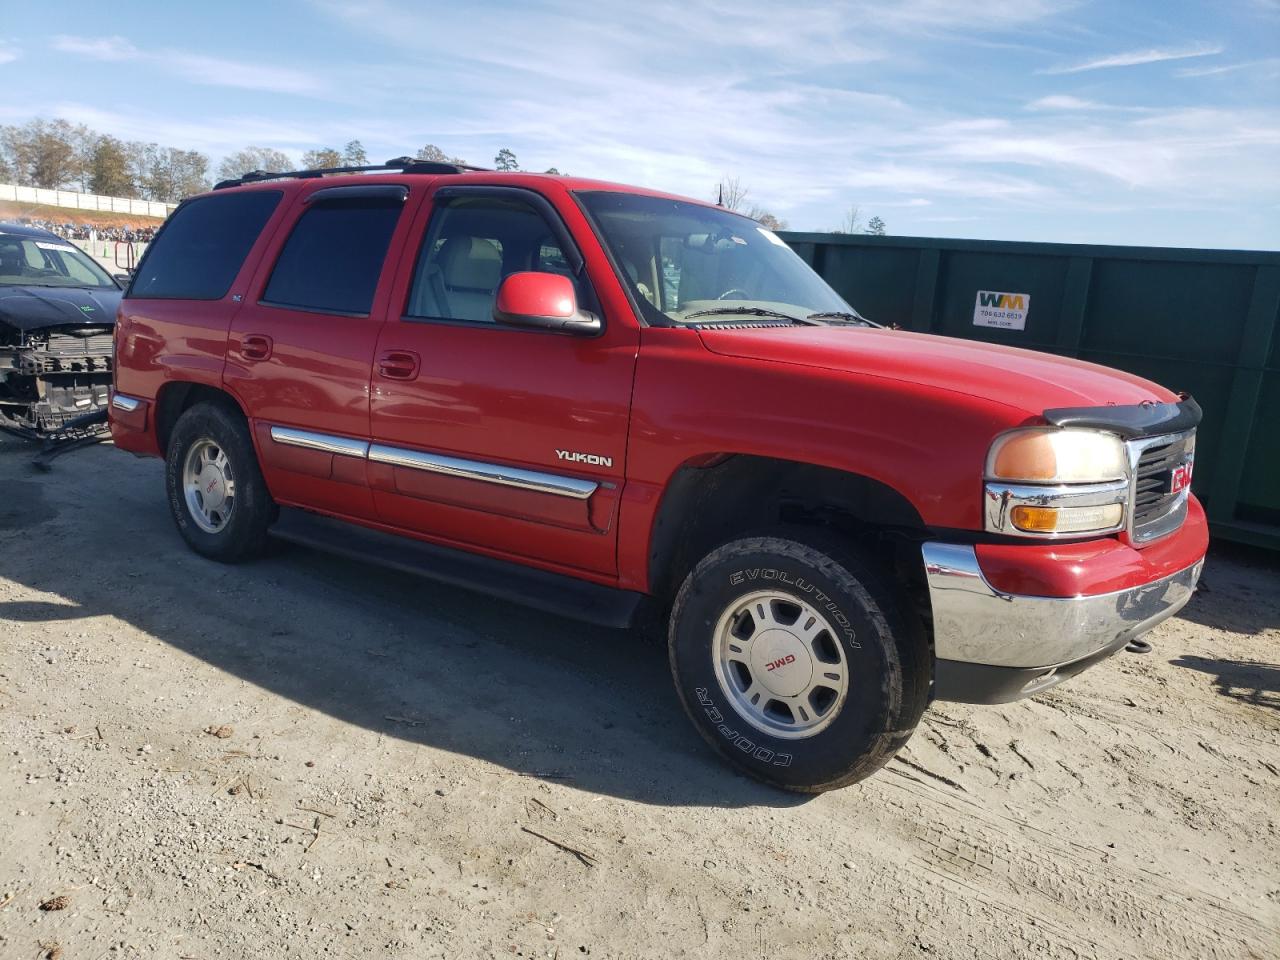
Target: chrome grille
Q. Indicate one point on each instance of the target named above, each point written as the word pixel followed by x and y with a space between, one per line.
pixel 1155 510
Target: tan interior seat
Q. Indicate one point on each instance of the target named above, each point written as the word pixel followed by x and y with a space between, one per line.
pixel 470 269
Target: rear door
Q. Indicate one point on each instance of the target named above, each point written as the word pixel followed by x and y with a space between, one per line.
pixel 301 347
pixel 505 439
pixel 176 313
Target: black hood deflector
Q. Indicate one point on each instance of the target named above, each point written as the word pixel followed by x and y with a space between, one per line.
pixel 1130 421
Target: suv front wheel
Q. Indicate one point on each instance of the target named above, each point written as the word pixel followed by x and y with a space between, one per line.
pixel 216 492
pixel 797 662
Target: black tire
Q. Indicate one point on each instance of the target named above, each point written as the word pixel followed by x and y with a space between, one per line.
pixel 252 510
pixel 885 652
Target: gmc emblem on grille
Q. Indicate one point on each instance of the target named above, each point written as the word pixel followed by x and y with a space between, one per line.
pixel 1180 477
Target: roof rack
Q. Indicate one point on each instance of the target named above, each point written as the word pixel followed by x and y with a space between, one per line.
pixel 401 164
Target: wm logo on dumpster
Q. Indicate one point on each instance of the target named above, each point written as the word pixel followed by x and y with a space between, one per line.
pixel 996 308
pixel 1002 301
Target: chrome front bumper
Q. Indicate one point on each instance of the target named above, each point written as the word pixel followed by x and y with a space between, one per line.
pixel 993 647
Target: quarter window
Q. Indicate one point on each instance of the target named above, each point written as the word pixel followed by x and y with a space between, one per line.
pixel 333 258
pixel 202 246
pixel 472 245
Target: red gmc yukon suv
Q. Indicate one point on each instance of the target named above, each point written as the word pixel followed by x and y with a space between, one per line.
pixel 613 404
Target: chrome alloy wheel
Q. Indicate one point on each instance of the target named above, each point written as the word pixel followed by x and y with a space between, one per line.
pixel 208 485
pixel 779 662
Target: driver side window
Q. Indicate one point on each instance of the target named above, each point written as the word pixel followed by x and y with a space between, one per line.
pixel 472 244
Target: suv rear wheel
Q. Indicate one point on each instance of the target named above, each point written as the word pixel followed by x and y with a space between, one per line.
pixel 216 492
pixel 796 661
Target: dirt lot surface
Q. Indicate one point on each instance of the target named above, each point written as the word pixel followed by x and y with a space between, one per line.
pixel 307 757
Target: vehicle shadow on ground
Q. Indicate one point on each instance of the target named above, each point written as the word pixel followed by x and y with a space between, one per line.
pixel 1247 600
pixel 533 693
pixel 1248 682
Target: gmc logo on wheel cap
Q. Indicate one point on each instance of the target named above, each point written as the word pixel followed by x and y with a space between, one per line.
pixel 780 662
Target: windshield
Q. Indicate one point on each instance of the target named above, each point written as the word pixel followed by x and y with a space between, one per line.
pixel 25 261
pixel 689 263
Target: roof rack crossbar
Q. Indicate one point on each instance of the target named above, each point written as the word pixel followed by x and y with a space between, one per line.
pixel 402 164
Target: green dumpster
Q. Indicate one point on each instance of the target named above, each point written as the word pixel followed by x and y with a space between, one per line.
pixel 1201 321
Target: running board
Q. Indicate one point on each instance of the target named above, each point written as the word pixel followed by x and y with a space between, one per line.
pixel 552 592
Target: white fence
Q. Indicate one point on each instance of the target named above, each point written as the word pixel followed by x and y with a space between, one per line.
pixel 85 201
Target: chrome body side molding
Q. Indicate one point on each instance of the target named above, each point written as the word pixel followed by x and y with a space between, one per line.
pixel 324 442
pixel 505 476
pixel 487 472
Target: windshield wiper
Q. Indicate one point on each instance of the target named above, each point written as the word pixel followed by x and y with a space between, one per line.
pixel 814 320
pixel 845 316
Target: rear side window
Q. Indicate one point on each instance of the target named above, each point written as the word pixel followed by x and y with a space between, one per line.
pixel 202 246
pixel 333 258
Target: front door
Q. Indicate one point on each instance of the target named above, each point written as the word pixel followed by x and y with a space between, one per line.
pixel 301 347
pixel 505 439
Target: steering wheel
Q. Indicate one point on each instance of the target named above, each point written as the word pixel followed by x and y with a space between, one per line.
pixel 726 294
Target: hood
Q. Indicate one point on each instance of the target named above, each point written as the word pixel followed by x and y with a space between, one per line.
pixel 34 308
pixel 1023 379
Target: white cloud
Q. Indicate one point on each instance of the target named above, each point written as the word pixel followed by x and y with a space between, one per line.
pixel 1133 58
pixel 782 100
pixel 8 52
pixel 98 48
pixel 1065 102
pixel 194 67
pixel 1227 68
pixel 815 106
pixel 216 134
pixel 1174 153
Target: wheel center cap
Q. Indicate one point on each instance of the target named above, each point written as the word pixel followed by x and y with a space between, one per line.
pixel 213 487
pixel 780 661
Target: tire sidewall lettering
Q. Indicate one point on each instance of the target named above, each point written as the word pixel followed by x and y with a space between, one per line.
pixel 739 740
pixel 803 586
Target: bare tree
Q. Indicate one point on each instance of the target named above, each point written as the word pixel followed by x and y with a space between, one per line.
pixel 138 156
pixel 766 219
pixel 253 158
pixel 321 159
pixel 55 153
pixel 174 175
pixel 731 193
pixel 852 222
pixel 353 154
pixel 45 153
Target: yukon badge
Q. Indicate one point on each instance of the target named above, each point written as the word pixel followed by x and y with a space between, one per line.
pixel 595 460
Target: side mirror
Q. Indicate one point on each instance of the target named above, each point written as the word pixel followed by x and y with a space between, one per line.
pixel 545 301
pixel 122 279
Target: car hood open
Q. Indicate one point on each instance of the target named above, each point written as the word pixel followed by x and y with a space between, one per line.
pixel 1020 378
pixel 34 308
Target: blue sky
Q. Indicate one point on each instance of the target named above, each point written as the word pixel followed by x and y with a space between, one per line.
pixel 1104 122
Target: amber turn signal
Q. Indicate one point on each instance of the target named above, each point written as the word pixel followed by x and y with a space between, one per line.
pixel 1035 519
pixel 1031 519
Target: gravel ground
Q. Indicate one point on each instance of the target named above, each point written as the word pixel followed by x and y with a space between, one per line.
pixel 308 757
